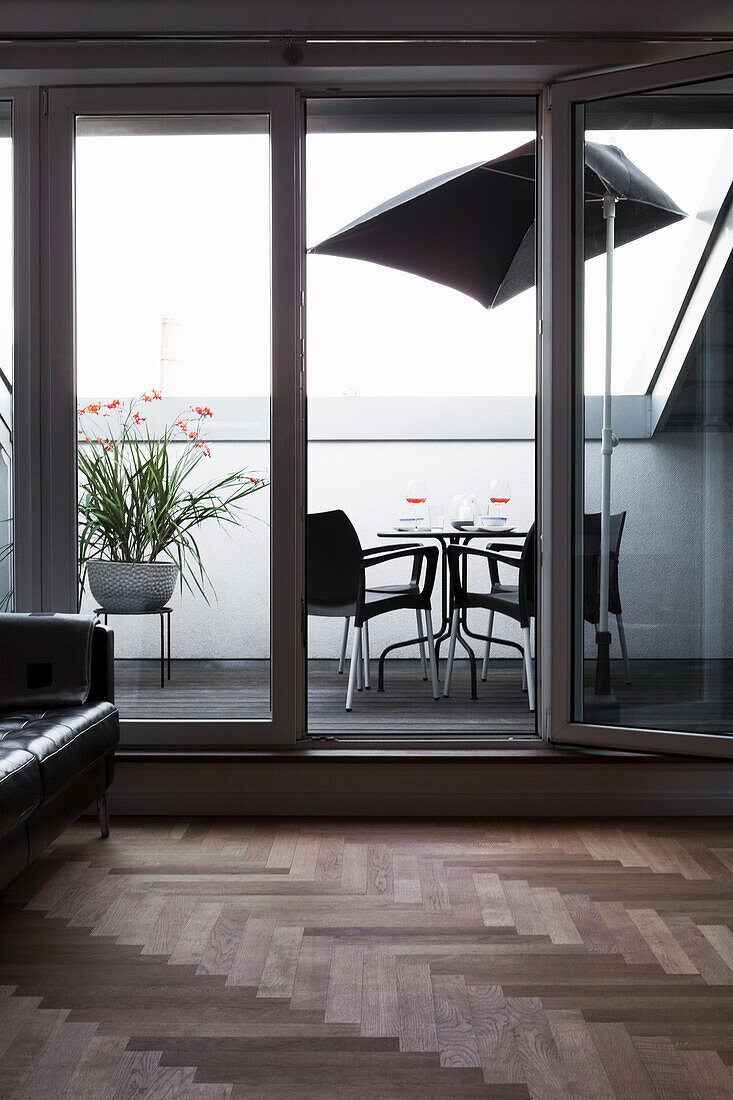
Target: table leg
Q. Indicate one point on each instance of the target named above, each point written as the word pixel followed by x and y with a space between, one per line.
pixel 447 605
pixel 445 602
pixel 168 616
pixel 162 651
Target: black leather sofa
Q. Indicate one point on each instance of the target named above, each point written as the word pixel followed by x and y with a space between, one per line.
pixel 55 762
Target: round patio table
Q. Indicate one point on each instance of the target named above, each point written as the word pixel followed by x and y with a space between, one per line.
pixel 445 537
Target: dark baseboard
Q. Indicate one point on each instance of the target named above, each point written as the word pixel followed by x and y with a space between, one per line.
pixel 535 782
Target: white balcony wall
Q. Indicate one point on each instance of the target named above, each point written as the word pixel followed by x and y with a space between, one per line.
pixel 676 569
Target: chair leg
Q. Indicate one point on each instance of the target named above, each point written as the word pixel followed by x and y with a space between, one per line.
pixel 360 663
pixel 365 643
pixel 103 815
pixel 451 653
pixel 487 647
pixel 354 666
pixel 427 615
pixel 524 676
pixel 421 634
pixel 529 671
pixel 624 650
pixel 344 640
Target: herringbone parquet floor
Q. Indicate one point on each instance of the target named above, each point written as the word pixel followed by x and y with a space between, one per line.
pixel 317 959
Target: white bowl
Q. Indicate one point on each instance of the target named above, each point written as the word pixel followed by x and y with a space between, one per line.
pixel 496 523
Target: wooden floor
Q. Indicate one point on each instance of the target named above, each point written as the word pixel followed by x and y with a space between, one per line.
pixel 289 960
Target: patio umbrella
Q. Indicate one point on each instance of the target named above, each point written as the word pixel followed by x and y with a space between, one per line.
pixel 473 229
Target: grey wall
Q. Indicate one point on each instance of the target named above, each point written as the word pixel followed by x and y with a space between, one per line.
pixel 676 573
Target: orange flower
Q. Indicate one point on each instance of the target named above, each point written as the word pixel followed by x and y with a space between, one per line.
pixel 201 410
pixel 138 419
pixel 116 404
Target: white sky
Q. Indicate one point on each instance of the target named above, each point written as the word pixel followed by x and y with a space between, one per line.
pixel 173 226
pixel 178 226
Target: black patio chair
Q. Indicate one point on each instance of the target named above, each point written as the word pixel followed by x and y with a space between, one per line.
pixel 591 580
pixel 592 576
pixel 516 601
pixel 337 588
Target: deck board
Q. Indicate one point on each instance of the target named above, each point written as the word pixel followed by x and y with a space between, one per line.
pixel 691 695
pixel 240 689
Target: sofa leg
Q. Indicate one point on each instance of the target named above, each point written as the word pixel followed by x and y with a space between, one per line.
pixel 103 814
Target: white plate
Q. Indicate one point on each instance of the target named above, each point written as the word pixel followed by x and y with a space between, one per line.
pixel 496 530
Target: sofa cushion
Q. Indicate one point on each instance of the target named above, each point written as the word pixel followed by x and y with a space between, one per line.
pixel 20 786
pixel 64 740
pixel 45 659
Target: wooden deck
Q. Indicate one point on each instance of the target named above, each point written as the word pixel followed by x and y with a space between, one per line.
pixel 241 689
pixel 693 695
pixel 206 959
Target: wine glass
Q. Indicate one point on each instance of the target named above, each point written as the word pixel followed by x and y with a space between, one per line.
pixel 416 494
pixel 500 492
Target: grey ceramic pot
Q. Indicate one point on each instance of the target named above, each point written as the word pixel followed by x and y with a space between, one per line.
pixel 135 588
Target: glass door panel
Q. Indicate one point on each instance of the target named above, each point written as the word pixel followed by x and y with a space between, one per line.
pixel 670 586
pixel 637 275
pixel 671 408
pixel 173 383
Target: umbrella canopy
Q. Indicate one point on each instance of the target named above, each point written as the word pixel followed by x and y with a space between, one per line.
pixel 473 229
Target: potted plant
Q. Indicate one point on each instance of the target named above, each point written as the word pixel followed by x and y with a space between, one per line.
pixel 141 503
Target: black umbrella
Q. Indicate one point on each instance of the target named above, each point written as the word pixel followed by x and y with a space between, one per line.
pixel 473 229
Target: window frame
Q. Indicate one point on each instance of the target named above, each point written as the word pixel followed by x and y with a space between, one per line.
pixel 58 390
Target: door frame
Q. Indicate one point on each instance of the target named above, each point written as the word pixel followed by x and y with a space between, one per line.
pixel 58 384
pixel 26 475
pixel 561 313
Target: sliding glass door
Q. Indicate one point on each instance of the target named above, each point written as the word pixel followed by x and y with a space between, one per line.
pixel 180 375
pixel 643 610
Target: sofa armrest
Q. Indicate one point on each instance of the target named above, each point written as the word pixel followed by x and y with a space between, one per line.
pixel 103 665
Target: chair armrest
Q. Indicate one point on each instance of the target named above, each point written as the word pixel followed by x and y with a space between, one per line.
pixel 502 547
pixel 424 566
pixel 458 554
pixel 391 555
pixel 489 555
pixel 103 665
pixel 389 546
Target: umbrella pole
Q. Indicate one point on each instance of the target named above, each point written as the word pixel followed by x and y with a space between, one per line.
pixel 603 635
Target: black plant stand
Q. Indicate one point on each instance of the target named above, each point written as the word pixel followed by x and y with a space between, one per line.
pixel 165 630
